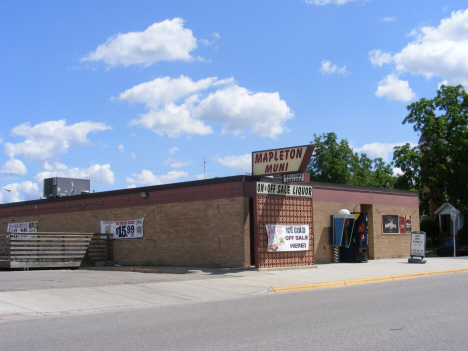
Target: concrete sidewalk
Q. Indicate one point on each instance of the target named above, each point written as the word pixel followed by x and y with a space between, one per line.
pixel 228 284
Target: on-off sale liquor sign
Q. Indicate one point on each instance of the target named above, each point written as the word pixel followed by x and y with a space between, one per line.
pixel 281 161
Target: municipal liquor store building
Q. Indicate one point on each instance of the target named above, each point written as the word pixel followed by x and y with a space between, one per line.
pixel 226 222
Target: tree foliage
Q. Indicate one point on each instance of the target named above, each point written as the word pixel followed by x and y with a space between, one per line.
pixel 335 162
pixel 440 170
pixel 408 159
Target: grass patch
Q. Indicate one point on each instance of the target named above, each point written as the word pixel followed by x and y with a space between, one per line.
pixel 431 251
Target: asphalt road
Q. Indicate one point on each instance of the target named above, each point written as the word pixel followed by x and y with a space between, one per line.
pixel 427 313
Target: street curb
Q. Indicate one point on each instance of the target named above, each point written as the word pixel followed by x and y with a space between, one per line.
pixel 363 280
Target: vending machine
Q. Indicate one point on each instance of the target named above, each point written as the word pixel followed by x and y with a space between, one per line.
pixel 351 235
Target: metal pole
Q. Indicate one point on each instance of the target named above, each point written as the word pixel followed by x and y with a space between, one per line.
pixel 454 242
pixel 204 163
pixel 453 215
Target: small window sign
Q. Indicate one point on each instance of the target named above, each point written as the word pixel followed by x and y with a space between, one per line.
pixel 289 178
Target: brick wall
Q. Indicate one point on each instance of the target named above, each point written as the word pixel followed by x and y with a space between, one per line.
pixel 204 223
pixel 195 233
pixel 329 200
pixel 391 245
pixel 208 223
pixel 322 212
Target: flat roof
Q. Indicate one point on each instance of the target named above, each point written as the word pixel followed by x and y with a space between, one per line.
pixel 211 181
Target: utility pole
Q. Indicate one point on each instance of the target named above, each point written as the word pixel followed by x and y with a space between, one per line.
pixel 204 163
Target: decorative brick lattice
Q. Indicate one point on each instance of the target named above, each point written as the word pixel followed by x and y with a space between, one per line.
pixel 273 209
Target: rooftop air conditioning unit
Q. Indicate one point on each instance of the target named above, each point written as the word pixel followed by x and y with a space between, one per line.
pixel 54 187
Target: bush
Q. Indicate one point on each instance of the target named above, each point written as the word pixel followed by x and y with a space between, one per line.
pixel 463 233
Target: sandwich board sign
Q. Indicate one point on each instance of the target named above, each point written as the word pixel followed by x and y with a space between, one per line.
pixel 418 244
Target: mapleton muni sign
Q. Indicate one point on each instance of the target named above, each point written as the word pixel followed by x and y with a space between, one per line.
pixel 281 161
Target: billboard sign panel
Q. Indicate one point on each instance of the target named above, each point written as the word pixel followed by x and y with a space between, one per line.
pixel 24 227
pixel 290 178
pixel 284 189
pixel 281 161
pixel 287 237
pixel 129 229
pixel 418 244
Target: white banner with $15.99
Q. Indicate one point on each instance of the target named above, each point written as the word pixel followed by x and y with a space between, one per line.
pixel 130 229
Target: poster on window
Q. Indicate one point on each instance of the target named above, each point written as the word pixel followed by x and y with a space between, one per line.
pixel 287 237
pixel 408 224
pixel 24 227
pixel 396 224
pixel 390 224
pixel 129 229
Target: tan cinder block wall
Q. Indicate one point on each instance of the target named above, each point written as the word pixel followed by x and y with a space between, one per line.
pixel 195 233
pixel 390 245
pixel 380 245
pixel 322 211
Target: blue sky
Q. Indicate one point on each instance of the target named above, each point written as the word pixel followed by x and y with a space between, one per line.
pixel 136 93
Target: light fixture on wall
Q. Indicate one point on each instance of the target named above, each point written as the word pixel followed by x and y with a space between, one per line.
pixel 144 194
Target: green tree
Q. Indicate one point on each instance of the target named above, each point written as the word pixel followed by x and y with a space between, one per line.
pixel 331 161
pixel 335 162
pixel 443 122
pixel 382 174
pixel 408 159
pixel 361 170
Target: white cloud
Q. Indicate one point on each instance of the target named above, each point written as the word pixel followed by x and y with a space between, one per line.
pixel 392 88
pixel 243 164
pixel 384 150
pixel 20 192
pixel 326 2
pixel 435 51
pixel 173 163
pixel 133 155
pixel 179 105
pixel 172 120
pixel 239 109
pixel 206 42
pixel 148 178
pixel 165 90
pixel 397 171
pixel 46 141
pixel 14 167
pixel 440 51
pixel 100 174
pixel 56 166
pixel 163 41
pixel 379 58
pixel 388 19
pixel 121 148
pixel 328 68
